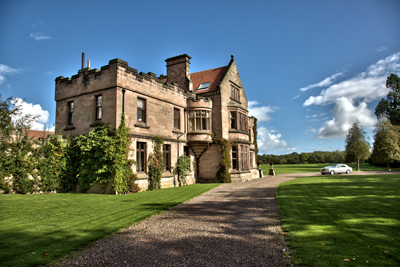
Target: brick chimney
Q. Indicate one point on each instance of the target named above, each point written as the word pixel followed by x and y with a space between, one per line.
pixel 178 70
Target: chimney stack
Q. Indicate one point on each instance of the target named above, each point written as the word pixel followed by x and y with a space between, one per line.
pixel 178 70
pixel 83 60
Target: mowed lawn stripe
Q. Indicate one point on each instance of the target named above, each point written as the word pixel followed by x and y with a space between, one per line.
pixel 36 229
pixel 331 219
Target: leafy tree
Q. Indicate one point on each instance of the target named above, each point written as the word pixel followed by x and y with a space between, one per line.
pixel 386 148
pixel 11 119
pixel 390 107
pixel 357 147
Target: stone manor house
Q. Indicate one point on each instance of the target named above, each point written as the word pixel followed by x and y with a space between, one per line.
pixel 184 108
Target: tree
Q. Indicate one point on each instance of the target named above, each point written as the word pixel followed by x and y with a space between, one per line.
pixel 357 147
pixel 386 148
pixel 11 119
pixel 390 107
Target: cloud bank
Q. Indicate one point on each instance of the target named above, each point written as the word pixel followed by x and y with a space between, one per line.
pixel 261 113
pixel 268 142
pixel 326 82
pixel 351 97
pixel 28 108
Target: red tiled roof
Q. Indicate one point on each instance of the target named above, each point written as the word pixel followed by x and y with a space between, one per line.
pixel 35 134
pixel 214 76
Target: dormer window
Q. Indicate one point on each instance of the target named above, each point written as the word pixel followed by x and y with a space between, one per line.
pixel 204 86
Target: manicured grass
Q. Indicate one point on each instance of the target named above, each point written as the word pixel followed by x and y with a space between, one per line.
pixel 346 217
pixel 37 229
pixel 301 168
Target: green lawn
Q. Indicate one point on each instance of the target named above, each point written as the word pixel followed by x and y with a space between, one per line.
pixel 342 221
pixel 301 168
pixel 37 229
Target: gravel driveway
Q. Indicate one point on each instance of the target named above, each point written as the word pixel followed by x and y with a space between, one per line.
pixel 231 225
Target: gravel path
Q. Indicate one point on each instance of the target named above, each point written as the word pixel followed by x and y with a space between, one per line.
pixel 231 225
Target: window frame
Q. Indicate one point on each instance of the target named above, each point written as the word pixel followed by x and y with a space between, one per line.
pixel 233 118
pixel 71 113
pixel 235 92
pixel 167 157
pixel 142 109
pixel 99 107
pixel 141 166
pixel 200 122
pixel 177 119
pixel 234 155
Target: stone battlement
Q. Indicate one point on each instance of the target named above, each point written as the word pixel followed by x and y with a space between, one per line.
pixel 116 74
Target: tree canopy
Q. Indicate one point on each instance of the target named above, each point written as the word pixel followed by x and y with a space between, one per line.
pixel 386 147
pixel 390 107
pixel 357 147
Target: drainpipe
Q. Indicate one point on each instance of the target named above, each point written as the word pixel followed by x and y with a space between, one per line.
pixel 123 100
pixel 184 132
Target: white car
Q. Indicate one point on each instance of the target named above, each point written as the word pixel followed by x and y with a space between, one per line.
pixel 336 168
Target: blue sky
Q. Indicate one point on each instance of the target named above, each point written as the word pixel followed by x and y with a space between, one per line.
pixel 309 68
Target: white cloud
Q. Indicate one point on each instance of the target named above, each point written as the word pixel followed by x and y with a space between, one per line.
pixel 315 115
pixel 345 113
pixel 28 108
pixel 367 86
pixel 6 70
pixel 381 49
pixel 326 82
pixel 269 143
pixel 39 31
pixel 38 36
pixel 48 73
pixel 261 113
pixel 297 96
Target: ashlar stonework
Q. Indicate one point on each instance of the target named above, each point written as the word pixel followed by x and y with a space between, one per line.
pixel 184 108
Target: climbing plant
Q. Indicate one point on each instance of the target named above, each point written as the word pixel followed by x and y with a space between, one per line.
pixel 99 156
pixel 156 164
pixel 182 168
pixel 224 146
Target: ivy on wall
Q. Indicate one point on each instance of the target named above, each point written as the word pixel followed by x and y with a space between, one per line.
pixel 224 146
pixel 99 156
pixel 182 168
pixel 156 165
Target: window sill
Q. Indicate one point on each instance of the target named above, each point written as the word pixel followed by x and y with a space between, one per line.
pixel 238 131
pixel 96 124
pixel 177 131
pixel 141 125
pixel 236 100
pixel 200 132
pixel 69 128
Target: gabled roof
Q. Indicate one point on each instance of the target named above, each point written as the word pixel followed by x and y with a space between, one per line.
pixel 213 75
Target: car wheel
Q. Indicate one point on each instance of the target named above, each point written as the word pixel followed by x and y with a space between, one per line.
pixel 332 172
pixel 348 171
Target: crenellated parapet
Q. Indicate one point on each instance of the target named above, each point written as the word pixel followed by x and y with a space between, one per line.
pixel 116 74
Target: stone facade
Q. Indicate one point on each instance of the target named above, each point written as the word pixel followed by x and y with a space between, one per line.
pixel 184 108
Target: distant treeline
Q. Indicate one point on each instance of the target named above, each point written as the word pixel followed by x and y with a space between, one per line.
pixel 303 158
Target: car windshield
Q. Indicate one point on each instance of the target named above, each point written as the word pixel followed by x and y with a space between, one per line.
pixel 334 165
